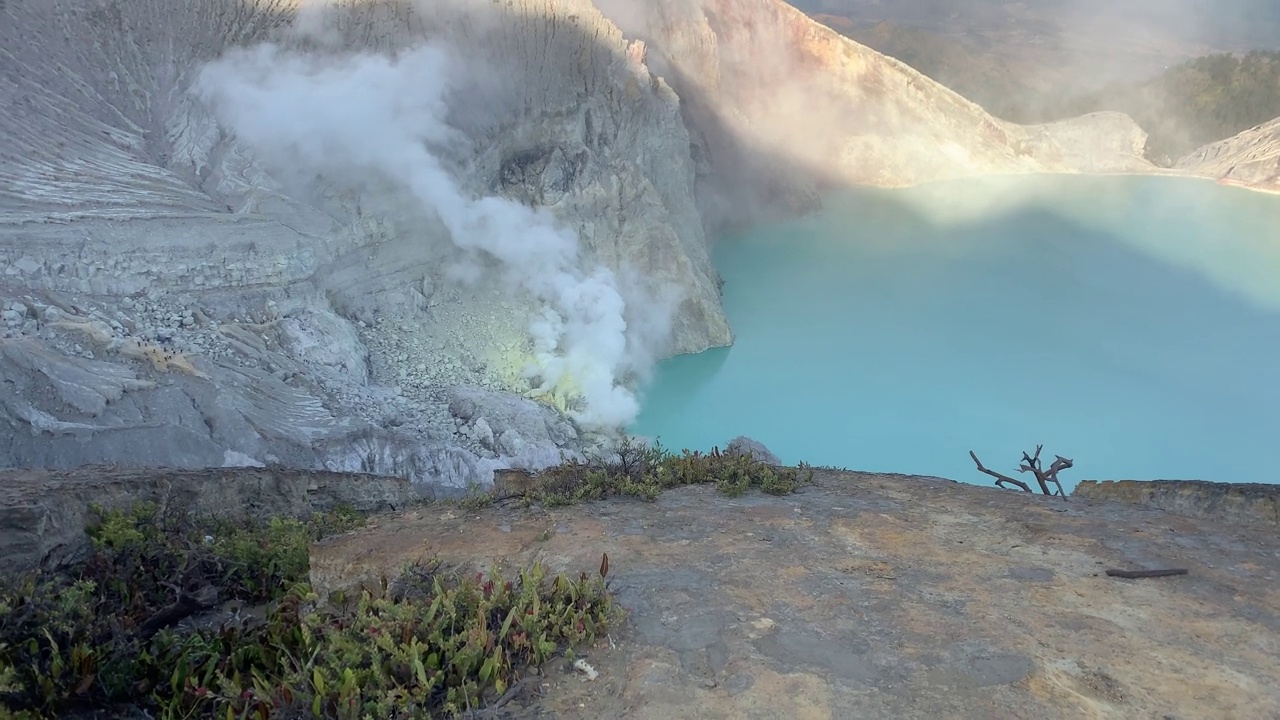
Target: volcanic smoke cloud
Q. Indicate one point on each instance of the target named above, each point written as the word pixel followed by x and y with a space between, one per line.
pixel 380 114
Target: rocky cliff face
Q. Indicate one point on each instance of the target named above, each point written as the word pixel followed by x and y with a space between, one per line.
pixel 1251 159
pixel 174 293
pixel 408 239
pixel 779 104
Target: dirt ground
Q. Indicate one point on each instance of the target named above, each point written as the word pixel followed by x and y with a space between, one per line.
pixel 879 596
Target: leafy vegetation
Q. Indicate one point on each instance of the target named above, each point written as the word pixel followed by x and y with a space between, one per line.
pixel 643 471
pixel 190 617
pixel 143 623
pixel 1194 103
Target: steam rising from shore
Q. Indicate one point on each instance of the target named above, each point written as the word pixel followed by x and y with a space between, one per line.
pixel 381 116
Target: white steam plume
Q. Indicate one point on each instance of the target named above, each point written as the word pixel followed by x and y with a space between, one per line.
pixel 381 114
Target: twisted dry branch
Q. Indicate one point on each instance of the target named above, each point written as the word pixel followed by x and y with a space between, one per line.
pixel 1031 464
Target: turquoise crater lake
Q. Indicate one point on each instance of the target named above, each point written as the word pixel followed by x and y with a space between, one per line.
pixel 1129 323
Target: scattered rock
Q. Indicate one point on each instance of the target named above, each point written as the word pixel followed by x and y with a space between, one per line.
pixel 743 445
pixel 523 421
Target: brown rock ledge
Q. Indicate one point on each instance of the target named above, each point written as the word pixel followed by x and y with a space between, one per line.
pixel 882 596
pixel 1253 503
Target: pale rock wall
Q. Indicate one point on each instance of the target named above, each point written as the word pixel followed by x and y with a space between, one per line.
pixel 1251 159
pixel 782 105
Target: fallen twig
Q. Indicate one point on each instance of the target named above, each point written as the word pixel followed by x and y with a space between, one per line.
pixel 1134 574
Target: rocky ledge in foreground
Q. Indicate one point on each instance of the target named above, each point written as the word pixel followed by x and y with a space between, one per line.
pixel 882 596
pixel 43 512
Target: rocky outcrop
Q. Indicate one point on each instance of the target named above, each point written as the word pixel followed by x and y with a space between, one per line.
pixel 1100 142
pixel 1250 159
pixel 1251 503
pixel 43 513
pixel 754 449
pixel 90 384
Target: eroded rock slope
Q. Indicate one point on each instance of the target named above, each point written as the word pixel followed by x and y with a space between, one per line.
pixel 169 299
pixel 1251 159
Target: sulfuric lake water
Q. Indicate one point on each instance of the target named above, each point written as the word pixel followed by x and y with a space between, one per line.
pixel 1129 323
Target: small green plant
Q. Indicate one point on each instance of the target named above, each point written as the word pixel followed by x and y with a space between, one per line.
pixel 476 498
pixel 643 471
pixel 124 631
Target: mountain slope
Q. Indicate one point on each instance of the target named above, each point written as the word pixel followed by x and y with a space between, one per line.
pixel 763 86
pixel 1250 159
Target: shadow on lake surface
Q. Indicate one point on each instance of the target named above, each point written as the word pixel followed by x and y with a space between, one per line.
pixel 1128 323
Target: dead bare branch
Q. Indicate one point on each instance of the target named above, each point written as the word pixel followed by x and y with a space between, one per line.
pixel 1060 463
pixel 1000 479
pixel 1031 463
pixel 1134 574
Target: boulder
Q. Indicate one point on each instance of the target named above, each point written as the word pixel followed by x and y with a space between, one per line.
pixel 743 445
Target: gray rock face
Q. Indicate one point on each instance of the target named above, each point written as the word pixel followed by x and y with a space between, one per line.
pixel 1099 142
pixel 79 390
pixel 43 514
pixel 173 294
pixel 575 123
pixel 519 422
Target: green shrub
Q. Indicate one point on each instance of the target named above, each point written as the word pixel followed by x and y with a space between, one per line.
pixel 438 643
pixel 644 471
